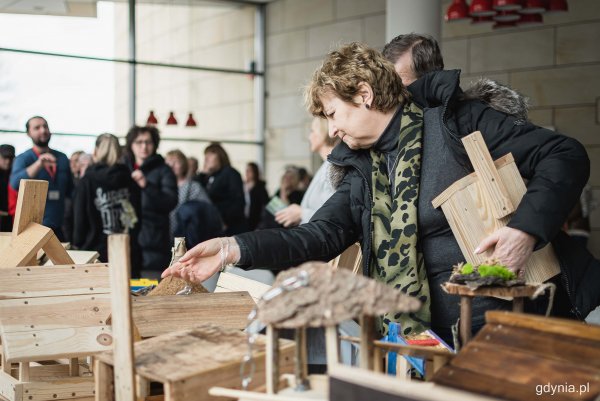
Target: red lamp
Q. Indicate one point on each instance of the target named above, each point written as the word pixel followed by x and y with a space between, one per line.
pixel 508 5
pixel 531 20
pixel 481 8
pixel 171 120
pixel 190 121
pixel 457 11
pixel 534 7
pixel 151 119
pixel 556 6
pixel 506 16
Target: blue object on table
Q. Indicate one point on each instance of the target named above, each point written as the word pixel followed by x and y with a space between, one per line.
pixel 393 337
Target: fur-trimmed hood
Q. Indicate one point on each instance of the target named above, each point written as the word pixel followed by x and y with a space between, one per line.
pixel 499 97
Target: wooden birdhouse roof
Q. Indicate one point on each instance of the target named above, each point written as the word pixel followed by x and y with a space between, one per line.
pixel 330 297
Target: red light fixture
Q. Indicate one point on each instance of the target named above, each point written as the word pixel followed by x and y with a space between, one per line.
pixel 481 8
pixel 534 7
pixel 151 119
pixel 507 16
pixel 190 121
pixel 508 5
pixel 171 120
pixel 531 20
pixel 556 6
pixel 458 11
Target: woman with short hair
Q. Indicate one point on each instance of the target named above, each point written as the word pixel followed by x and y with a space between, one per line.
pixel 399 151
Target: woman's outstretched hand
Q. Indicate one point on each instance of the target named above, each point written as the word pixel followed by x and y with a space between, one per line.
pixel 512 247
pixel 205 259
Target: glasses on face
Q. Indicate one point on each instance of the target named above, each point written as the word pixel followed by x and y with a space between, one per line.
pixel 142 142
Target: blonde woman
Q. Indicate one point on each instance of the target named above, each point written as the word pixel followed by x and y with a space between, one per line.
pixel 107 201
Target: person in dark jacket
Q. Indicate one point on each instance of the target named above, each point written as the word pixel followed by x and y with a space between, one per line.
pixel 159 197
pixel 7 155
pixel 225 188
pixel 398 151
pixel 256 195
pixel 107 201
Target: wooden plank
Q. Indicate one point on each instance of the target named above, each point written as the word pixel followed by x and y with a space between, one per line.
pixel 80 257
pixel 44 371
pixel 120 268
pixel 495 386
pixel 558 347
pixel 24 371
pixel 401 390
pixel 272 360
pixel 60 388
pixel 230 282
pixel 489 178
pixel 56 252
pixel 40 345
pixel 367 337
pixel 29 282
pixel 31 204
pixel 507 292
pixel 10 388
pixel 550 325
pixel 25 246
pixel 332 345
pixel 44 313
pixel 514 366
pixel 104 384
pixel 158 315
pixel 350 259
pixel 228 375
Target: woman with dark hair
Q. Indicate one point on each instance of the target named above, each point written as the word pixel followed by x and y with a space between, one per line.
pixel 225 188
pixel 256 195
pixel 159 197
pixel 107 201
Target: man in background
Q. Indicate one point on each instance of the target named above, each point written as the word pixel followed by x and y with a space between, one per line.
pixel 7 155
pixel 42 163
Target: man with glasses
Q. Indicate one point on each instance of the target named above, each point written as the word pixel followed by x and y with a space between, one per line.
pixel 42 163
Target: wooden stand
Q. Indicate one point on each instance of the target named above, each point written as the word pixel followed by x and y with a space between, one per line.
pixel 29 235
pixel 517 293
pixel 482 202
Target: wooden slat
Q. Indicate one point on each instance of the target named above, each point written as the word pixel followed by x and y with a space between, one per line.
pixel 31 204
pixel 157 315
pixel 489 178
pixel 120 267
pixel 513 366
pixel 510 292
pixel 60 388
pixel 350 259
pixel 332 345
pixel 553 346
pixel 25 246
pixel 10 388
pixel 494 386
pixel 25 314
pixel 546 324
pixel 56 252
pixel 27 282
pixel 367 336
pixel 229 282
pixel 104 386
pixel 38 345
pixel 271 361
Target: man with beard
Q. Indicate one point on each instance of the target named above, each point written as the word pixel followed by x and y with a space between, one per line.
pixel 43 163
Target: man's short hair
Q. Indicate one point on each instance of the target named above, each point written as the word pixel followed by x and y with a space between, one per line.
pixel 29 122
pixel 426 55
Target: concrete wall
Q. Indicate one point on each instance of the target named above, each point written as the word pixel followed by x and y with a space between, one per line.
pixel 299 35
pixel 556 64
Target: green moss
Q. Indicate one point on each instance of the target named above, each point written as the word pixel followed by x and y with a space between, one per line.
pixel 467 269
pixel 496 271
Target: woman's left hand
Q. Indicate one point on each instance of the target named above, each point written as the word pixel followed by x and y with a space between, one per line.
pixel 290 216
pixel 513 247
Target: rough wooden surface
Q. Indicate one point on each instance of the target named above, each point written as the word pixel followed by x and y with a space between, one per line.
pixel 25 246
pixel 180 355
pixel 154 316
pixel 511 359
pixel 172 285
pixel 31 204
pixel 331 296
pixel 510 292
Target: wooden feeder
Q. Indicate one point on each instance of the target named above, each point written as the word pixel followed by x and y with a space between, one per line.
pixel 329 297
pixel 482 202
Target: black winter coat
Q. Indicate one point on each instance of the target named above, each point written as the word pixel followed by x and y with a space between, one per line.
pixel 159 198
pixel 556 166
pixel 226 191
pixel 97 209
